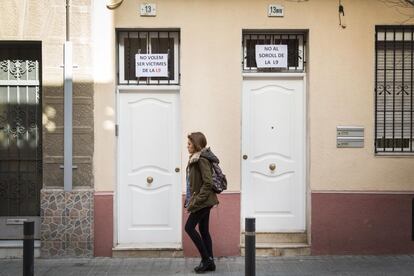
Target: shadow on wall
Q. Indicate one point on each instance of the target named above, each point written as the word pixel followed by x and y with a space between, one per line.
pixel 53 134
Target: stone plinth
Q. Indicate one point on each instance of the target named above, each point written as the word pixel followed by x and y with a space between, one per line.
pixel 66 223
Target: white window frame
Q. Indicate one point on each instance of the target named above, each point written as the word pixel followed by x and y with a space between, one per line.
pixel 147 35
pixel 388 36
pixel 251 35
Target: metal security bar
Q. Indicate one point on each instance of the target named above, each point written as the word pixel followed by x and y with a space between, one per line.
pixel 132 42
pixel 296 44
pixel 394 60
pixel 20 128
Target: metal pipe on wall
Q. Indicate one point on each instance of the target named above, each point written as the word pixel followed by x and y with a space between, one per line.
pixel 67 20
pixel 68 91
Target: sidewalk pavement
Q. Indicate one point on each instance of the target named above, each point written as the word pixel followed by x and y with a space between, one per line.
pixel 309 265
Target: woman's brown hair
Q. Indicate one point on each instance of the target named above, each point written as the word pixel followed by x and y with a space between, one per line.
pixel 198 140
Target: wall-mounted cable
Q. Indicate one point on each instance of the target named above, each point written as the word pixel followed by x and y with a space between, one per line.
pixel 341 14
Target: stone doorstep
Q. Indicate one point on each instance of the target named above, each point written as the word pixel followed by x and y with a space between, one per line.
pixel 126 252
pixel 13 249
pixel 279 244
pixel 270 237
pixel 280 249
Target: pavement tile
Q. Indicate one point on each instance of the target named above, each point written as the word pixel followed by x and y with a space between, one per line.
pixel 232 266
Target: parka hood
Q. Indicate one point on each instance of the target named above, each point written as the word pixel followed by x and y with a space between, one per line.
pixel 209 155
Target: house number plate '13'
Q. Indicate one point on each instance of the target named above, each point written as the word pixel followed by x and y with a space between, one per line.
pixel 148 9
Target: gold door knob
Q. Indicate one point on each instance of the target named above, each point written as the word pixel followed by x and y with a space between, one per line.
pixel 272 167
pixel 149 179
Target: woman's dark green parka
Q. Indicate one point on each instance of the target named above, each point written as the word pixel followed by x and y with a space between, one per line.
pixel 199 170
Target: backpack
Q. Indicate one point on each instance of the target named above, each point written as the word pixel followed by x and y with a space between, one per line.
pixel 219 179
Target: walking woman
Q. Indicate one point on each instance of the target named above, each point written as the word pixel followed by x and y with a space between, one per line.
pixel 200 198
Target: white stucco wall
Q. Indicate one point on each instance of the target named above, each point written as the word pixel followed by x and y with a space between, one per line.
pixel 340 83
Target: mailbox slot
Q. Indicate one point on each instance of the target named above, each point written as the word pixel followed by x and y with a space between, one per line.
pixel 349 137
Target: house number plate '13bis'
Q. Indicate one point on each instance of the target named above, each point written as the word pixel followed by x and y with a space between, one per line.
pixel 275 11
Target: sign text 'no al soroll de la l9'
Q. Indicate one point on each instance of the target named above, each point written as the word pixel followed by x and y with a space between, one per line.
pixel 151 65
pixel 271 56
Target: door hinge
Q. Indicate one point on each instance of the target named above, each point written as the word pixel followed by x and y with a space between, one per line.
pixel 116 130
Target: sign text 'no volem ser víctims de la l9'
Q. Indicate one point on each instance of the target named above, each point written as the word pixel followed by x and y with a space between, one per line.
pixel 151 65
pixel 271 56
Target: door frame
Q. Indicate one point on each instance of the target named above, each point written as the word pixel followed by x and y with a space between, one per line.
pixel 15 222
pixel 139 89
pixel 306 157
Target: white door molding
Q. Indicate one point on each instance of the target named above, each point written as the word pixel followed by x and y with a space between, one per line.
pixel 148 195
pixel 274 136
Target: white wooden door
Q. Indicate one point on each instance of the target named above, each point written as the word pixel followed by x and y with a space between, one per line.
pixel 273 141
pixel 149 200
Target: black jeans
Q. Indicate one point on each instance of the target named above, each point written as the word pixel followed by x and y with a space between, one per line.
pixel 203 243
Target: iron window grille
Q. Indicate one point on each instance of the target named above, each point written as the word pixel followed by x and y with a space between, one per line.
pixel 132 42
pixel 394 60
pixel 20 128
pixel 296 44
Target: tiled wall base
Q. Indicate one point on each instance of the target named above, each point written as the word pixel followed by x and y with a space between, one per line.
pixel 357 224
pixel 103 224
pixel 66 223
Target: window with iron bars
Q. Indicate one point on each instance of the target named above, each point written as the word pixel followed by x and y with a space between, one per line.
pixel 295 42
pixel 20 128
pixel 394 60
pixel 132 42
